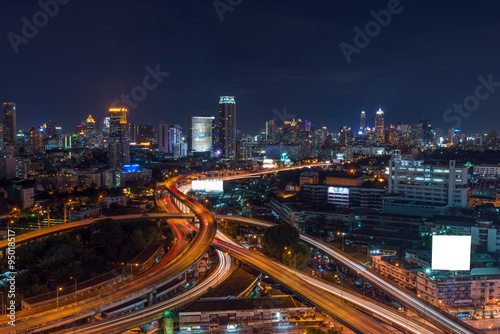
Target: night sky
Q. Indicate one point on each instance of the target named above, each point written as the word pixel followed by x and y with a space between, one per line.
pixel 269 54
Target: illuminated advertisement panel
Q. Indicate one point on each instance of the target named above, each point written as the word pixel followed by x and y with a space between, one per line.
pixel 450 252
pixel 207 185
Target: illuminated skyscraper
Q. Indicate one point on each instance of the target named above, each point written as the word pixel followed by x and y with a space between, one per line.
pixel 117 120
pixel 118 143
pixel 9 123
pixel 174 136
pixel 90 132
pixel 379 126
pixel 362 123
pixel 227 123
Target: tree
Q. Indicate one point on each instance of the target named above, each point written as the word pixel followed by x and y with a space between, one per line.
pixel 298 256
pixel 315 330
pixel 276 238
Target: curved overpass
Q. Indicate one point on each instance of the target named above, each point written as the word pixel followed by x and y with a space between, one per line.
pixel 43 232
pixel 438 317
pixel 192 253
pixel 313 290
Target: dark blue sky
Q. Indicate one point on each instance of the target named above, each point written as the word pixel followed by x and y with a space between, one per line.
pixel 267 53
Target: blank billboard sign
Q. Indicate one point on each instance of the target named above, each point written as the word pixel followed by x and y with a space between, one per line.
pixel 450 252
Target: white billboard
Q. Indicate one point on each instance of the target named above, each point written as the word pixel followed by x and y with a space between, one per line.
pixel 207 185
pixel 451 252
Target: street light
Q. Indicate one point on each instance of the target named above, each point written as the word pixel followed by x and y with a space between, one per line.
pixel 131 264
pixel 75 288
pixel 57 297
pixel 341 234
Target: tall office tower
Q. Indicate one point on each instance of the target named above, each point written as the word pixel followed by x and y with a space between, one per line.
pixel 362 123
pixel 35 141
pixel 307 126
pixel 144 133
pixel 54 130
pixel 9 123
pixel 132 134
pixel 200 134
pixel 426 131
pixel 379 126
pixel 227 123
pixel 90 132
pixel 163 137
pixel 271 130
pixel 115 121
pixel 174 136
pixel 118 144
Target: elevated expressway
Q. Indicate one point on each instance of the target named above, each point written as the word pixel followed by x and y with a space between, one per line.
pixel 436 316
pixel 56 229
pixel 203 239
pixel 314 290
pixel 89 307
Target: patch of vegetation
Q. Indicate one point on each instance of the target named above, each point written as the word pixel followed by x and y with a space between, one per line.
pixel 83 253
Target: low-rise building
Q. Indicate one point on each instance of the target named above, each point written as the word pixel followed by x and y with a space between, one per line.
pixel 240 313
pixel 477 287
pixel 311 177
pixel 486 170
pixel 106 202
pixel 88 211
pixel 395 270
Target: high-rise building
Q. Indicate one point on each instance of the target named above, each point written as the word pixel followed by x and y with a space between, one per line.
pixel 9 123
pixel 362 123
pixel 116 122
pixel 200 134
pixel 163 137
pixel 227 123
pixel 35 141
pixel 118 143
pixel 144 133
pixel 379 126
pixel 90 132
pixel 174 136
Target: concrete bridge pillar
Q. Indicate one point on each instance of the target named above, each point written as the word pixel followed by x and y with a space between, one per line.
pixel 151 298
pixel 195 270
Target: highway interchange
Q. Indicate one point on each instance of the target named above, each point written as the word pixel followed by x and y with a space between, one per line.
pixel 308 287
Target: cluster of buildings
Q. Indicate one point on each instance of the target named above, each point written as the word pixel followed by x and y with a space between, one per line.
pixel 395 209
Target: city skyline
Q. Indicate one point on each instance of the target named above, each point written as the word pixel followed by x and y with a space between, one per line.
pixel 423 79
